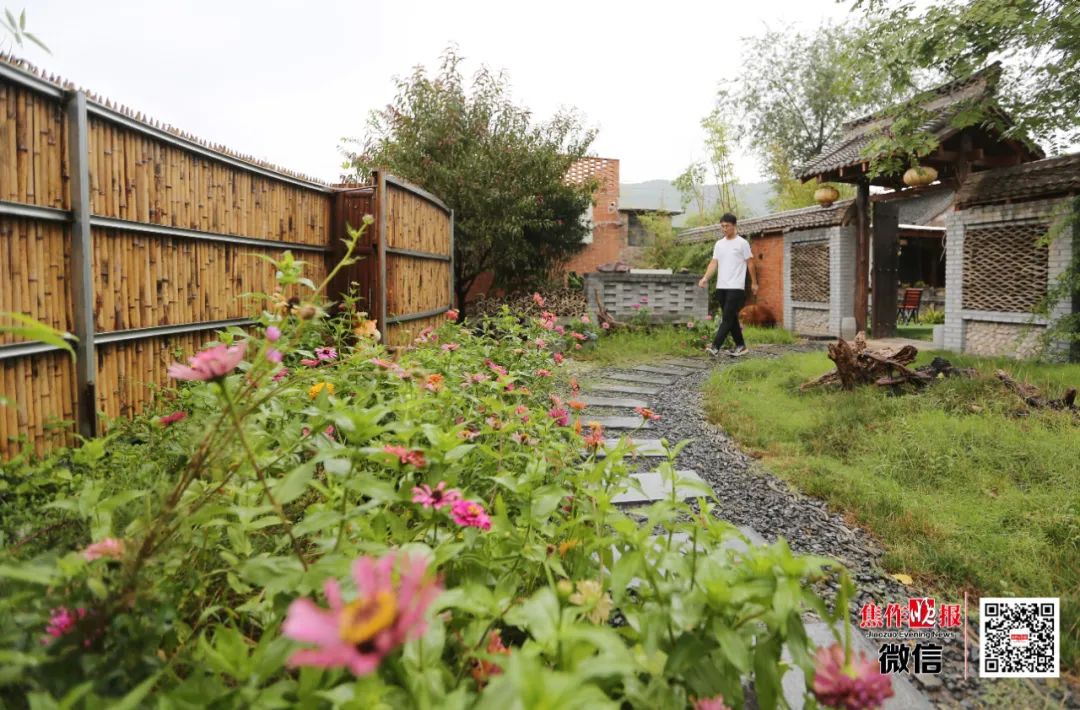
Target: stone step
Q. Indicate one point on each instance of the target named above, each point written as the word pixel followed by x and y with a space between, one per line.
pixel 905 697
pixel 624 388
pixel 702 364
pixel 640 447
pixel 665 370
pixel 652 487
pixel 617 402
pixel 622 422
pixel 641 377
pixel 681 542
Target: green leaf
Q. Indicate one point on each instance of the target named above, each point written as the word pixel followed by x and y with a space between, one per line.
pixel 734 647
pixel 75 695
pixel 135 697
pixel 36 330
pixel 45 576
pixel 539 615
pixel 545 500
pixel 295 482
pixel 767 673
pixel 458 452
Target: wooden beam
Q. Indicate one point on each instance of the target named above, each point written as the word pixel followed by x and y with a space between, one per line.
pixel 862 254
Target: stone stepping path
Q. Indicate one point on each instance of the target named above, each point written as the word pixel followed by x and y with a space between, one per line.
pixel 662 370
pixel 652 487
pixel 691 364
pixel 624 389
pixel 613 402
pixel 639 447
pixel 643 378
pixel 622 422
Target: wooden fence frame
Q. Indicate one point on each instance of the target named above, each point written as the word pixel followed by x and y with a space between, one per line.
pixel 79 108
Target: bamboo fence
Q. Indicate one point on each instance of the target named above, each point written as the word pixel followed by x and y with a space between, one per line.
pixel 143 240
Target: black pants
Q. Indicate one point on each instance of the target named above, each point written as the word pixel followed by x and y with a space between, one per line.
pixel 731 301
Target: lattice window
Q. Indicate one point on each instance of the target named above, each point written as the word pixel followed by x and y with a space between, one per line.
pixel 1005 268
pixel 810 272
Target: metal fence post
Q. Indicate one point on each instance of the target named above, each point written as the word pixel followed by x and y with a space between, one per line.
pixel 82 256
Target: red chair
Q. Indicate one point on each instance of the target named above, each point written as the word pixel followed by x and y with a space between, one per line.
pixel 909 307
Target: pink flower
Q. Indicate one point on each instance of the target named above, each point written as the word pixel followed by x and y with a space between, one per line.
pixel 708 317
pixel 605 325
pixel 274 355
pixel 577 346
pixel 558 358
pixel 359 634
pixel 714 703
pixel 560 330
pixel 406 456
pixel 541 343
pixel 579 336
pixel 308 362
pixel 450 347
pixel 62 621
pixel 560 415
pixel 469 513
pixel 644 299
pixel 381 363
pixel 326 353
pixel 452 314
pixel 548 315
pixel 170 419
pixel 646 413
pixel 210 364
pixel 273 333
pixel 538 300
pixel 494 367
pixel 543 373
pixel 859 686
pixel 690 324
pixel 107 547
pixel 585 319
pixel 280 374
pixel 636 306
pixel 437 497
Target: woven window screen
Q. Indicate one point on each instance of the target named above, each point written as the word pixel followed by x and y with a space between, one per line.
pixel 810 272
pixel 1005 268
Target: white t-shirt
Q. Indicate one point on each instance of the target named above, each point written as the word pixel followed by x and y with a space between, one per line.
pixel 731 255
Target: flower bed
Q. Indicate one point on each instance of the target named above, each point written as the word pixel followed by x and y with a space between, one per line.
pixel 316 522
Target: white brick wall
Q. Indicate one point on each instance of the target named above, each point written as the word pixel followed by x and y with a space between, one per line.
pixel 841 241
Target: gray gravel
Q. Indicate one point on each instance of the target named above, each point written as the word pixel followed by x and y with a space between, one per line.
pixel 750 495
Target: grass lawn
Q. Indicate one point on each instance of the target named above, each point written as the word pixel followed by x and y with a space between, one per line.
pixel 915 331
pixel 963 493
pixel 674 341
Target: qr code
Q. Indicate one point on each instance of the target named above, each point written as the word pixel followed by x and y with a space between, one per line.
pixel 1019 637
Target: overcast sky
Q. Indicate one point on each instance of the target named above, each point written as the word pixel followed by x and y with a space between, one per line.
pixel 284 81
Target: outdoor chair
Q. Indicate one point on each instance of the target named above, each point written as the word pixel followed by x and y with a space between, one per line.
pixel 909 307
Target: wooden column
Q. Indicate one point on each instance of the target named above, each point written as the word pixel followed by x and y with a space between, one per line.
pixel 862 253
pixel 886 241
pixel 82 257
pixel 381 198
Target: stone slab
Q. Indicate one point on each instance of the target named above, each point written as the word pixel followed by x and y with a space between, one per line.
pixel 665 370
pixel 616 402
pixel 682 540
pixel 692 364
pixel 640 377
pixel 622 422
pixel 641 447
pixel 905 697
pixel 624 388
pixel 654 488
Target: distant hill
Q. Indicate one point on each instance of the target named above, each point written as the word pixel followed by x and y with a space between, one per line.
pixel 661 194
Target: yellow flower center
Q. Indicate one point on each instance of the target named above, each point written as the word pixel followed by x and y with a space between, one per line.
pixel 362 619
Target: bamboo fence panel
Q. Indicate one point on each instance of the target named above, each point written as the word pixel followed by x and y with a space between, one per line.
pixel 33 270
pixel 33 148
pixel 361 277
pixel 414 223
pixel 405 333
pixel 42 390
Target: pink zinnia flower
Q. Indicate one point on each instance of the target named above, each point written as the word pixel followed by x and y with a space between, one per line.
pixel 452 314
pixel 538 300
pixel 579 336
pixel 635 306
pixel 690 324
pixel 541 343
pixel 644 299
pixel 577 346
pixel 62 621
pixel 273 333
pixel 499 369
pixel 326 353
pixel 646 413
pixel 210 364
pixel 560 330
pixel 468 513
pixel 714 703
pixel 309 362
pixel 543 373
pixel 380 362
pixel 280 374
pixel 406 456
pixel 450 347
pixel 558 358
pixel 585 319
pixel 560 415
pixel 106 547
pixel 858 686
pixel 605 325
pixel 708 317
pixel 170 419
pixel 359 634
pixel 437 497
pixel 274 355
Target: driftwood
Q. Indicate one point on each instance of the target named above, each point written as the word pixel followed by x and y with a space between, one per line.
pixel 1033 398
pixel 856 365
pixel 602 313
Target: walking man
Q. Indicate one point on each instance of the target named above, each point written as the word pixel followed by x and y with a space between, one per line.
pixel 730 258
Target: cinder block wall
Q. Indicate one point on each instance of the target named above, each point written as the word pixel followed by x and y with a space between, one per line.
pixel 822 317
pixel 1007 333
pixel 671 297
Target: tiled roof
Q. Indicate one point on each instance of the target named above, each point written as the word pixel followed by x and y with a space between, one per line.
pixel 1042 178
pixel 803 218
pixel 942 103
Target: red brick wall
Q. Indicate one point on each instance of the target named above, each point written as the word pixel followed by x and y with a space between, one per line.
pixel 768 251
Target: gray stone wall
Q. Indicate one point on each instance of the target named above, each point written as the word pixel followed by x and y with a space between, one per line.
pixel 814 318
pixel 1013 334
pixel 671 297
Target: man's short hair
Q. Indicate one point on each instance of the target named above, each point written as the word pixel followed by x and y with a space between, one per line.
pixel 729 218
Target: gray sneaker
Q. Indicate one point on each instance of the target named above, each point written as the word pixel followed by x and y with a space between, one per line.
pixel 712 351
pixel 739 351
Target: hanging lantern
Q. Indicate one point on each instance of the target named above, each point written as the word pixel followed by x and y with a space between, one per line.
pixel 826 195
pixel 919 175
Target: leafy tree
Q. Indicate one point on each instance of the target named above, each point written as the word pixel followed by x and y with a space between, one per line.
pixel 718 140
pixel 690 184
pixel 788 191
pixel 503 174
